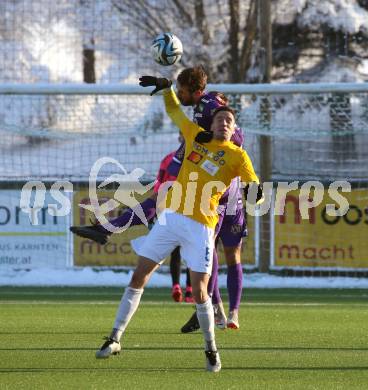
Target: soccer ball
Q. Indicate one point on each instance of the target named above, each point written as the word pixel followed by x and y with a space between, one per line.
pixel 167 49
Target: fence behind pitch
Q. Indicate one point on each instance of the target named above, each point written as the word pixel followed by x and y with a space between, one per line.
pixel 292 132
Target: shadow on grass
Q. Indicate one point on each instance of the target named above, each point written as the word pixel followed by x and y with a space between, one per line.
pixel 98 334
pixel 176 369
pixel 168 349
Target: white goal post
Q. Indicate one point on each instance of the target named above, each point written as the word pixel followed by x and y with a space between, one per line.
pixel 133 89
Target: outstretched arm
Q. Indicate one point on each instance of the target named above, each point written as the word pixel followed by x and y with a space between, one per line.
pixel 177 115
pixel 172 104
pixel 158 82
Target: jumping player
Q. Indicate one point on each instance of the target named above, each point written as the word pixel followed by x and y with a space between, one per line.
pixel 191 85
pixel 194 232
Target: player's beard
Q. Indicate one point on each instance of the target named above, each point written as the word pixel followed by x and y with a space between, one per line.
pixel 188 102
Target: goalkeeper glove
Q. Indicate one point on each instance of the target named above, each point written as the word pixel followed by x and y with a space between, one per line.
pixel 204 136
pixel 151 81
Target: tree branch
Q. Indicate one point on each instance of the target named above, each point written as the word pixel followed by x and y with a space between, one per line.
pixel 183 12
pixel 141 15
pixel 234 40
pixel 250 35
pixel 220 6
pixel 201 22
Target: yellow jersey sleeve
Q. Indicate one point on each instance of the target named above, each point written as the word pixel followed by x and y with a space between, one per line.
pixel 245 169
pixel 188 128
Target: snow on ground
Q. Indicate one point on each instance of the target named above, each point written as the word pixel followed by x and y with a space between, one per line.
pixel 109 278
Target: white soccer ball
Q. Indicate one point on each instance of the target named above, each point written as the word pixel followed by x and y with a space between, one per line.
pixel 167 49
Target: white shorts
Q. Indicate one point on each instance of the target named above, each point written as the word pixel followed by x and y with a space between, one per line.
pixel 196 241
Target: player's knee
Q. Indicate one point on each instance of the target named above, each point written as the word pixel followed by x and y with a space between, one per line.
pixel 138 280
pixel 232 260
pixel 143 272
pixel 232 255
pixel 200 294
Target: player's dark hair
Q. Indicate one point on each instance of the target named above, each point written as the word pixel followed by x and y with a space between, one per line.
pixel 223 108
pixel 206 136
pixel 195 79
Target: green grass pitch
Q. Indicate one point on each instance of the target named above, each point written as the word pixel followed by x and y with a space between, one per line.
pixel 289 339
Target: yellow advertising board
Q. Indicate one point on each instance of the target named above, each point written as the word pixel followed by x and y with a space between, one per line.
pixel 322 240
pixel 118 251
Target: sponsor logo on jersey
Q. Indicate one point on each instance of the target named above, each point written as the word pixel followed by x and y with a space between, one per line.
pixel 216 156
pixel 194 157
pixel 210 167
pixel 198 115
pixel 200 107
pixel 236 229
pixel 200 148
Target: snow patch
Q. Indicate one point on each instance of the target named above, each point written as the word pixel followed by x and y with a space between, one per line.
pixel 343 15
pixel 90 277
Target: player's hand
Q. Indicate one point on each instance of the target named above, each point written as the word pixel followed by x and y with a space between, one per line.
pixel 237 138
pixel 158 82
pixel 204 136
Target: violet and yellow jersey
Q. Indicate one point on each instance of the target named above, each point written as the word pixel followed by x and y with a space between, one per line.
pixel 207 169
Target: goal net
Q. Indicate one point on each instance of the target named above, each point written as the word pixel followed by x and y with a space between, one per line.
pixel 293 133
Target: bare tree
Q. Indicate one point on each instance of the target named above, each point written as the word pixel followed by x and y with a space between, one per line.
pixel 218 36
pixel 313 37
pixel 89 72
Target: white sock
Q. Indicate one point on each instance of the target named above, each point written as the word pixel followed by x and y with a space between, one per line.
pixel 128 305
pixel 207 322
